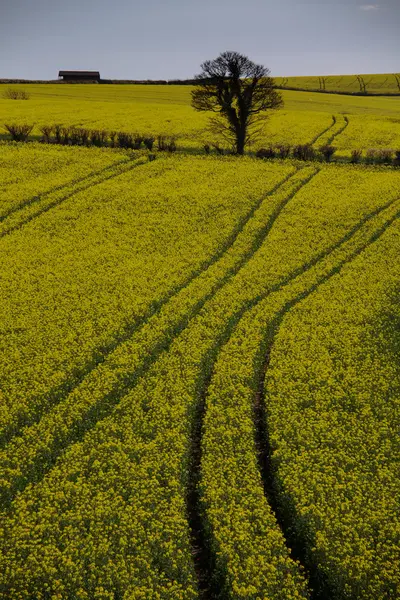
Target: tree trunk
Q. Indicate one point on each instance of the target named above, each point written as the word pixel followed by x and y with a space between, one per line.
pixel 240 139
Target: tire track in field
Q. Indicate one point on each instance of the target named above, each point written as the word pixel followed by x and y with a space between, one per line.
pixel 211 579
pixel 351 83
pixel 130 165
pixel 337 133
pixel 46 457
pixel 210 583
pixel 58 188
pixel 203 383
pixel 298 546
pixel 326 253
pixel 383 83
pixel 319 135
pixel 61 392
pixel 334 131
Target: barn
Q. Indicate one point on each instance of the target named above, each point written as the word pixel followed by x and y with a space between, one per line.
pixel 77 76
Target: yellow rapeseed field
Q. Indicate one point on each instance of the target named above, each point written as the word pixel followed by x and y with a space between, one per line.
pixel 198 356
pixel 153 109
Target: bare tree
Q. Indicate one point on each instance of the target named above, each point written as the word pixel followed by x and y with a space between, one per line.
pixel 397 76
pixel 363 85
pixel 240 92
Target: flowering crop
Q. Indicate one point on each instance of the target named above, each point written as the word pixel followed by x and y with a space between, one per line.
pixel 149 433
pixel 29 172
pixel 236 508
pixel 129 355
pixel 80 278
pixel 165 110
pixel 138 304
pixel 332 411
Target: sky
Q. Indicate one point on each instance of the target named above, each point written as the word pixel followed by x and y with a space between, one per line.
pixel 168 39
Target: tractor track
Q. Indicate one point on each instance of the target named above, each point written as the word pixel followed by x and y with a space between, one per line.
pixel 207 572
pixel 337 133
pixel 320 587
pixel 97 412
pixel 58 188
pixel 44 209
pixel 61 392
pixel 319 135
pixel 210 585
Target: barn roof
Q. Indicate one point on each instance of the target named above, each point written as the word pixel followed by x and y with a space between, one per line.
pixel 79 73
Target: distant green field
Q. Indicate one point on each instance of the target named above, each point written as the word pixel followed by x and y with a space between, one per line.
pixel 388 83
pixel 373 122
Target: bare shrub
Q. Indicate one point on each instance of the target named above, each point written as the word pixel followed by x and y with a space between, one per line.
pixel 113 138
pixel 327 151
pixel 304 152
pixel 46 132
pixel 84 135
pixel 75 136
pixel 13 94
pixel 385 156
pixel 371 156
pixel 58 133
pixel 166 144
pixel 356 156
pixel 94 137
pixel 19 133
pixel 137 141
pixel 65 135
pixel 79 136
pixel 103 137
pixel 266 153
pixel 171 145
pixel 125 140
pixel 149 143
pixel 162 143
pixel 283 150
pixel 98 137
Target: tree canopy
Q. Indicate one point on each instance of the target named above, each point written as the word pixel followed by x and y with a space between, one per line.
pixel 240 92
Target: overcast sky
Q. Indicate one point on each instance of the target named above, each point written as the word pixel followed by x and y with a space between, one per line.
pixel 166 39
